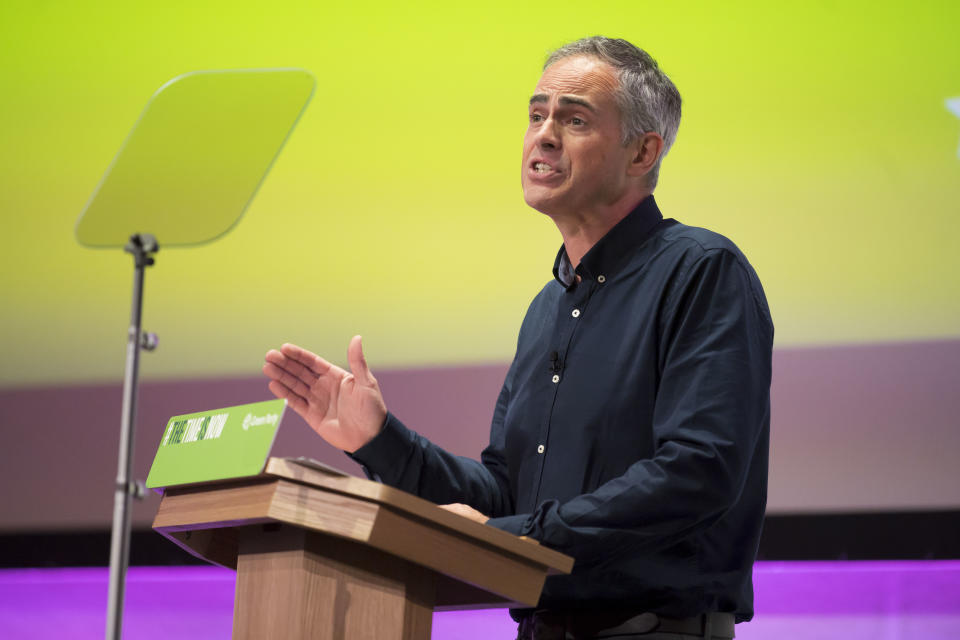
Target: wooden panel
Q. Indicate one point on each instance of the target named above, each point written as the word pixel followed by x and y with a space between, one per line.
pixel 508 576
pixel 262 501
pixel 386 597
pixel 321 510
pixel 214 506
pixel 296 584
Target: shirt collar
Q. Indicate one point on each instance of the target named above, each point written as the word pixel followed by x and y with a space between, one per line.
pixel 607 254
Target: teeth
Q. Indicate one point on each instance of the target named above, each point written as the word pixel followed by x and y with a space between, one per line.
pixel 541 167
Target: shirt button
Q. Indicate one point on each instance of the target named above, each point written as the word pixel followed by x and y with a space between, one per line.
pixel 576 313
pixel 540 449
pixel 556 379
pixel 601 279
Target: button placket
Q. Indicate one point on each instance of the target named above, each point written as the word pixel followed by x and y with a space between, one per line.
pixel 560 343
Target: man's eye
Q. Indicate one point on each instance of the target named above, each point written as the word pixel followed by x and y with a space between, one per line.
pixel 577 121
pixel 535 117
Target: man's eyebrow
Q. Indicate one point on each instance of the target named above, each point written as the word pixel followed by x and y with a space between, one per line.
pixel 564 100
pixel 580 101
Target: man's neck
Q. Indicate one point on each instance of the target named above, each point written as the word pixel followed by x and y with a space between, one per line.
pixel 581 232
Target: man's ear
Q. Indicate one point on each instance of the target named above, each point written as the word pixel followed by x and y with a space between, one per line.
pixel 646 150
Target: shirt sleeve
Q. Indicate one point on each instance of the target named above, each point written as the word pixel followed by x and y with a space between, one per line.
pixel 402 458
pixel 711 416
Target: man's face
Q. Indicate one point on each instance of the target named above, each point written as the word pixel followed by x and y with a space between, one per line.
pixel 573 159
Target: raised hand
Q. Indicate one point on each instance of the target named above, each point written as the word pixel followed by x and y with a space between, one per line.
pixel 346 409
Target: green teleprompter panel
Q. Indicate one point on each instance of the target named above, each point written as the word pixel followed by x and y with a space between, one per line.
pixel 232 442
pixel 194 160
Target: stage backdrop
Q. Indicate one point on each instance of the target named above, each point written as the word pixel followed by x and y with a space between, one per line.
pixel 823 138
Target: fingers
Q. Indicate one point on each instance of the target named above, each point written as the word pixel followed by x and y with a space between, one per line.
pixel 358 363
pixel 293 367
pixel 294 401
pixel 301 363
pixel 297 382
pixel 308 359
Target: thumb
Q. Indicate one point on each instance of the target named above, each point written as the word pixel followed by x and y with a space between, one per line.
pixel 358 364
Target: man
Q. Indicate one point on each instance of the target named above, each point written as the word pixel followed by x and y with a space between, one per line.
pixel 632 428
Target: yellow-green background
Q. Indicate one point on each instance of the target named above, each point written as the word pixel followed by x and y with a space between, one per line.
pixel 814 134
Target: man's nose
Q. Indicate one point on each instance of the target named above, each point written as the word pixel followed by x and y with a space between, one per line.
pixel 548 137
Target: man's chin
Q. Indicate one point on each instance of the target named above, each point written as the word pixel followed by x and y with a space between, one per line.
pixel 542 208
pixel 542 202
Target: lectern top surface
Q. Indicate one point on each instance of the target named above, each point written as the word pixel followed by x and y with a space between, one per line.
pixel 196 157
pixel 416 507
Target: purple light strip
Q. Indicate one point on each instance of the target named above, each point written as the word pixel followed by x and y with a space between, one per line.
pixel 898 600
pixel 855 587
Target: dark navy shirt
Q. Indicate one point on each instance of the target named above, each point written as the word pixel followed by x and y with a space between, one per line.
pixel 632 429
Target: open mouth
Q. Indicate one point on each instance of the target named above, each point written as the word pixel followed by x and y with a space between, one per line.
pixel 542 168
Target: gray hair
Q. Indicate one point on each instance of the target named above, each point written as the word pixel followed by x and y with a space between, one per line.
pixel 648 99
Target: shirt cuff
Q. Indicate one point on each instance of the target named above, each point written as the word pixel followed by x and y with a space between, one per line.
pixel 518 525
pixel 381 454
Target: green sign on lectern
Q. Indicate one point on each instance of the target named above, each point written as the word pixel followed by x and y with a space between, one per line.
pixel 214 445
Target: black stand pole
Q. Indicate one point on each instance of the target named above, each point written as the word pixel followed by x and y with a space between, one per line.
pixel 142 246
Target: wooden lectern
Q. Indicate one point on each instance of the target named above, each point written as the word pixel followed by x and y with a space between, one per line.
pixel 341 558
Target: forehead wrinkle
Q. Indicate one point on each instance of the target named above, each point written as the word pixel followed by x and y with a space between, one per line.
pixel 576 96
pixel 564 100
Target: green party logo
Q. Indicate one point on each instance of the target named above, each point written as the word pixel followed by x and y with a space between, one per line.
pixel 251 420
